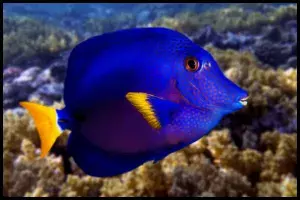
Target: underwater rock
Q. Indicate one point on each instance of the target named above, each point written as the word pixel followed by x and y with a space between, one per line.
pixel 292 61
pixel 246 39
pixel 244 160
pixel 289 37
pixel 28 41
pixel 49 92
pixel 10 73
pixel 272 34
pixel 9 91
pixel 271 53
pixel 232 41
pixel 27 75
pixel 9 103
pixel 15 92
pixel 24 91
pixel 294 49
pixel 58 71
pixel 258 7
pixel 52 90
pixel 278 118
pixel 55 72
pixel 21 85
pixel 143 16
pixel 43 78
pixel 20 88
pixel 291 24
pixel 236 41
pixel 228 40
pixel 11 95
pixel 207 35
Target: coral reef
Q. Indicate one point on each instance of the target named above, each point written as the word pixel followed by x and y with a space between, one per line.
pixel 35 176
pixel 96 26
pixel 76 186
pixel 29 41
pixel 272 34
pixel 147 180
pixel 226 171
pixel 233 19
pixel 273 96
pixel 252 152
pixel 271 51
pixel 287 187
pixel 46 85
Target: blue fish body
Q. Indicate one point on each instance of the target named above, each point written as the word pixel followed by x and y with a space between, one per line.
pixel 139 94
pixel 136 59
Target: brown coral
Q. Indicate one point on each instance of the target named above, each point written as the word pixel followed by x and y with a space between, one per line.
pixel 267 166
pixel 228 171
pixel 287 187
pixel 29 171
pixel 281 158
pixel 22 158
pixel 146 180
pixel 272 96
pixel 184 173
pixel 206 178
pixel 85 186
pixel 38 192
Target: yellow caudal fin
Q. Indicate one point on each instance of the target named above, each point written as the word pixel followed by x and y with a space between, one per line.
pixel 45 119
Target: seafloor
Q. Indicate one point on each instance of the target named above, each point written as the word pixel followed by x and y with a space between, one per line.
pixel 250 153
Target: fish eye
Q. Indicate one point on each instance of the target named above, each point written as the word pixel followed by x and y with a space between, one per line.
pixel 191 64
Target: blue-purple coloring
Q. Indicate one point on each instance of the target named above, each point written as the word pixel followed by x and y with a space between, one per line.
pixel 136 95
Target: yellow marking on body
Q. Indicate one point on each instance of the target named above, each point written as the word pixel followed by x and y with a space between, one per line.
pixel 140 102
pixel 45 119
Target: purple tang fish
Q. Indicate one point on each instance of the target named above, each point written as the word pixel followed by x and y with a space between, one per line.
pixel 133 96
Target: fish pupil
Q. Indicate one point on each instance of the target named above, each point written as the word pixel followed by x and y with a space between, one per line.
pixel 192 64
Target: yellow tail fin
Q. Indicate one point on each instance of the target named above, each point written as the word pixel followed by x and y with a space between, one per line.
pixel 45 119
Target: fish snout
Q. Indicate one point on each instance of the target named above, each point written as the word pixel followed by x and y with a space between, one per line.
pixel 243 99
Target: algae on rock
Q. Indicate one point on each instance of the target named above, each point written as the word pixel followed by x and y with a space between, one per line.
pixel 235 19
pixel 26 39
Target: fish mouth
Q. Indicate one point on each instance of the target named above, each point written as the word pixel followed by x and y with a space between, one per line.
pixel 243 101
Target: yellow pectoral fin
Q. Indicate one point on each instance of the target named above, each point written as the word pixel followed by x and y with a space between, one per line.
pixel 141 103
pixel 45 119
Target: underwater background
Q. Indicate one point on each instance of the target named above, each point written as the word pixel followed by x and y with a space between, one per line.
pixel 252 152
